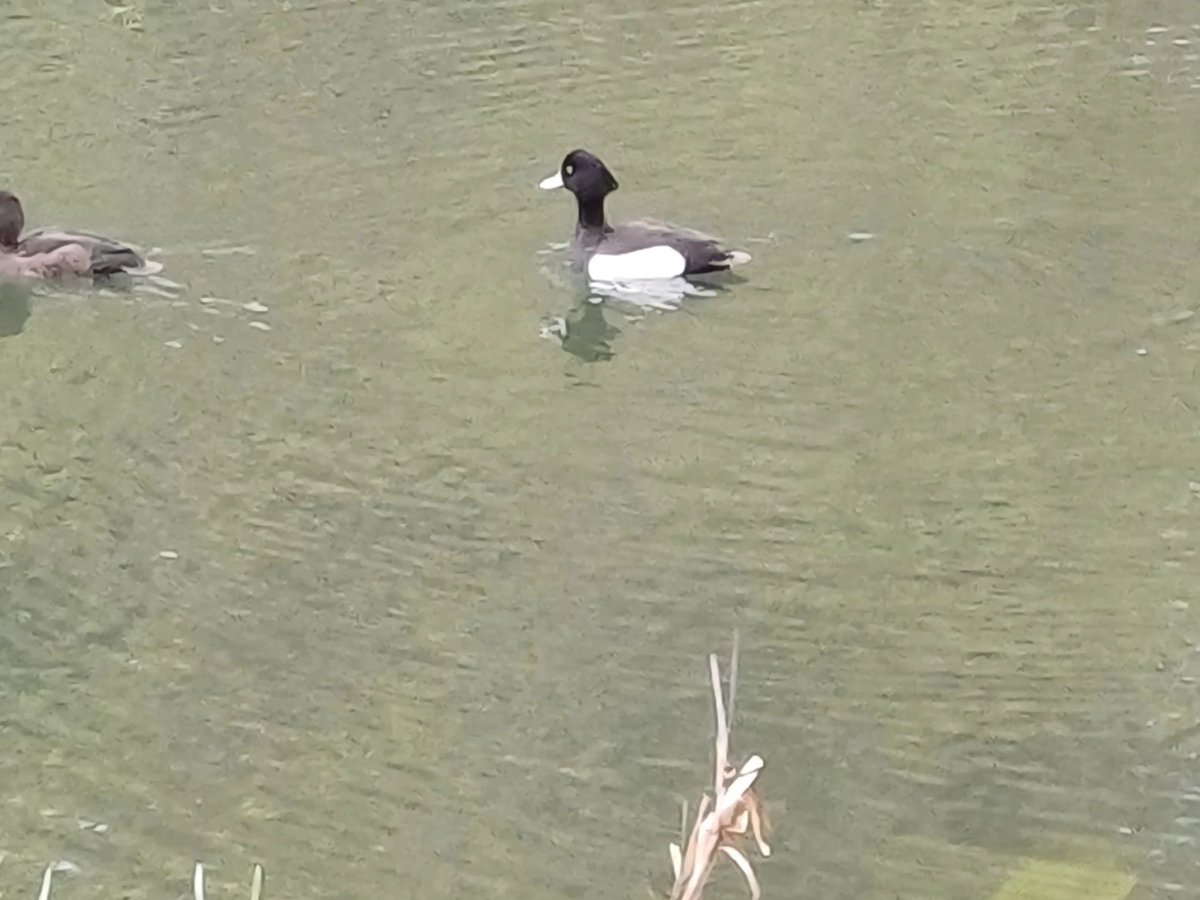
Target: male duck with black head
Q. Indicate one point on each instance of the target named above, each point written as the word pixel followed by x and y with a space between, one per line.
pixel 631 251
pixel 54 253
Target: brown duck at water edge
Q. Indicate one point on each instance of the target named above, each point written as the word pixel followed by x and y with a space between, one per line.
pixel 56 253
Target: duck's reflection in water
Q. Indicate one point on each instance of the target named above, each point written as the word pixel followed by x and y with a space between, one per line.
pixel 661 294
pixel 584 332
pixel 14 305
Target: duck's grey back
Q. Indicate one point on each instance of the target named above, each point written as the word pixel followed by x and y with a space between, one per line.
pixel 701 252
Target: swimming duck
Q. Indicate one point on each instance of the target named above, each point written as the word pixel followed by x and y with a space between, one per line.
pixel 633 250
pixel 54 253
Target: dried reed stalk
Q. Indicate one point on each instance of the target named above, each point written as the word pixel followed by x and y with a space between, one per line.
pixel 256 882
pixel 728 813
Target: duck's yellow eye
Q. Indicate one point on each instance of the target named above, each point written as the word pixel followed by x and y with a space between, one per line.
pixel 568 169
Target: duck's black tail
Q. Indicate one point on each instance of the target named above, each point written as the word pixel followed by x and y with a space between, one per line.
pixel 114 259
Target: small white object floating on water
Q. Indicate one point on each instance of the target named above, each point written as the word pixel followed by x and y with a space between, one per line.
pixel 174 345
pixel 167 554
pixel 261 326
pixel 164 282
pixel 859 236
pixel 255 307
pixel 242 250
pixel 256 882
pixel 156 291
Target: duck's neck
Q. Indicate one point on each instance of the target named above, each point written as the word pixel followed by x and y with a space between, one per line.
pixel 591 214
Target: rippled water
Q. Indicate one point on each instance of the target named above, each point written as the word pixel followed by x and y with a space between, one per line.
pixel 436 595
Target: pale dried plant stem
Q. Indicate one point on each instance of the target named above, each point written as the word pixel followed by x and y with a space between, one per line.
pixel 728 813
pixel 256 882
pixel 257 879
pixel 722 754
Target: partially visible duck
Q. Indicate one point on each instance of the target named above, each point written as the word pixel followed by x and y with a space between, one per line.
pixel 55 253
pixel 633 250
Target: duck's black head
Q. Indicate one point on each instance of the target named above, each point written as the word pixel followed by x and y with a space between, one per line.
pixel 589 180
pixel 586 176
pixel 12 221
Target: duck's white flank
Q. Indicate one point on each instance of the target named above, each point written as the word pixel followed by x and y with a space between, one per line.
pixel 649 262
